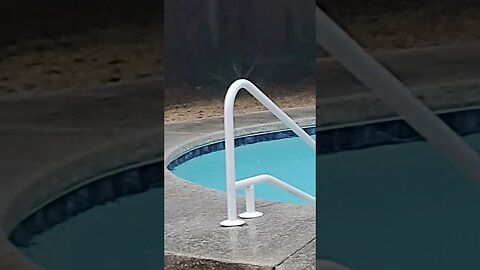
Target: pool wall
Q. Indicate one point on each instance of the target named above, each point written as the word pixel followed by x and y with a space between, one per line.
pixel 245 134
pixel 331 139
pixel 239 141
pixel 108 188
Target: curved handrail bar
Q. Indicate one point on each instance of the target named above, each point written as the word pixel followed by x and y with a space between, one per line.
pixel 277 182
pixel 262 98
pixel 394 93
pixel 235 87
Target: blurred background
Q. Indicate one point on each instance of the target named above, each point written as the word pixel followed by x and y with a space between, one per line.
pixel 54 44
pixel 210 43
pixel 397 24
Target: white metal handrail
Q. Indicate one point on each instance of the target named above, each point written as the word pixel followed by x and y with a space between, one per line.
pixel 274 181
pixel 386 86
pixel 248 183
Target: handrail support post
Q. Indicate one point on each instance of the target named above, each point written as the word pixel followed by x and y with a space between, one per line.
pixel 250 204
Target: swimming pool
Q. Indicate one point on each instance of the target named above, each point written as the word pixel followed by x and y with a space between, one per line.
pixel 112 223
pixel 125 234
pixel 278 153
pixel 390 201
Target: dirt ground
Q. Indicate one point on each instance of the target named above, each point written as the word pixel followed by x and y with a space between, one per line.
pixel 78 61
pixel 377 25
pixel 51 45
pixel 130 51
pixel 387 25
pixel 187 104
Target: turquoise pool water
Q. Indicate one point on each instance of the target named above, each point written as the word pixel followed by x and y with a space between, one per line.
pixel 397 207
pixel 290 160
pixel 124 234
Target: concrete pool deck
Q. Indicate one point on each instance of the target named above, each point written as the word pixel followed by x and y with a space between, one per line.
pixel 193 235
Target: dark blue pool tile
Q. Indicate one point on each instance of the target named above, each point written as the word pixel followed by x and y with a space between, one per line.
pixel 150 175
pixel 470 121
pixel 352 137
pixel 341 139
pixel 104 192
pixel 452 121
pixel 72 207
pixel 406 132
pixel 325 142
pixel 244 140
pixel 81 198
pixel 470 124
pixel 250 140
pixel 38 222
pixel 218 146
pixel 195 153
pixel 74 202
pixel 174 163
pixel 53 215
pixel 390 132
pixel 238 142
pixel 152 181
pixel 132 180
pixel 21 237
pixel 311 130
pixel 117 185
